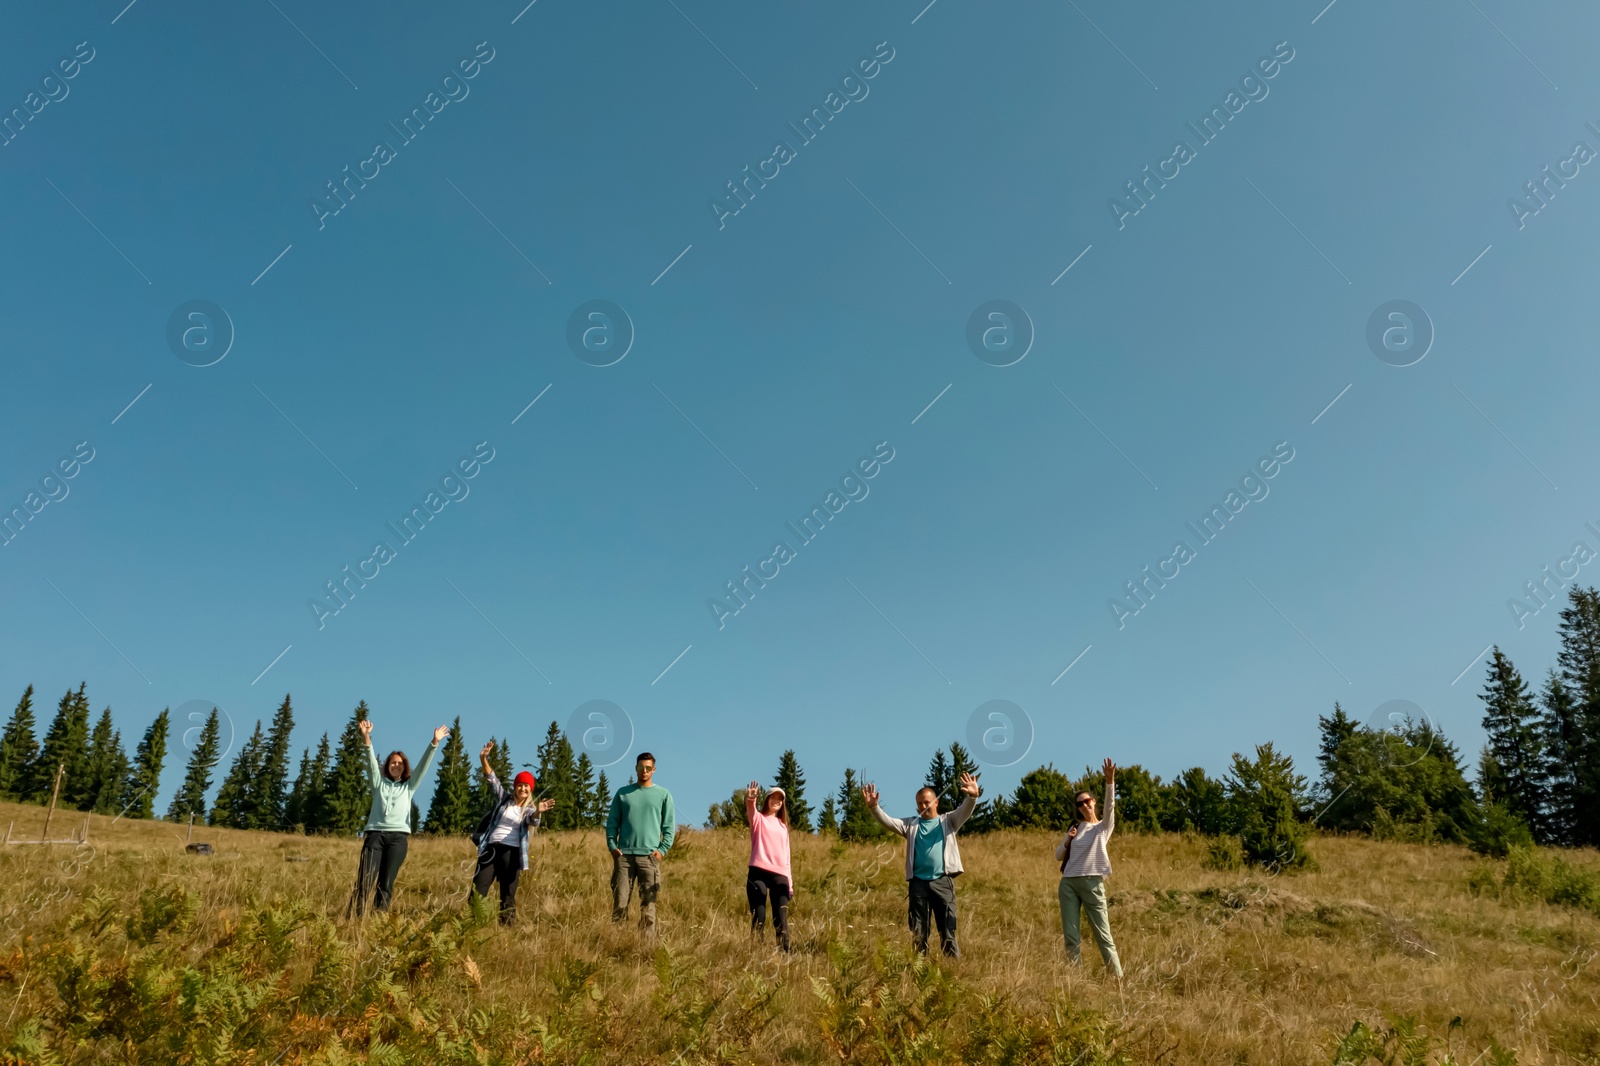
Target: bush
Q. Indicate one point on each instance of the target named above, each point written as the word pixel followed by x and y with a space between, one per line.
pixel 1553 880
pixel 1263 800
pixel 1498 831
pixel 1225 852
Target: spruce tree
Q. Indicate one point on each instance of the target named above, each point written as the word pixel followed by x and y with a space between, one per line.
pixel 18 750
pixel 294 806
pixel 1512 769
pixel 191 797
pixel 347 794
pixel 792 780
pixel 939 775
pixel 451 811
pixel 557 774
pixel 1264 796
pixel 583 786
pixel 1572 721
pixel 829 822
pixel 139 788
pixel 105 770
pixel 65 745
pixel 601 807
pixel 856 821
pixel 234 807
pixel 961 762
pixel 1043 800
pixel 269 791
pixel 310 785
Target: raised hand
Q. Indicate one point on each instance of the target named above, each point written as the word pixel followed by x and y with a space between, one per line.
pixel 440 733
pixel 869 792
pixel 483 753
pixel 1110 770
pixel 546 804
pixel 969 785
pixel 753 792
pixel 365 725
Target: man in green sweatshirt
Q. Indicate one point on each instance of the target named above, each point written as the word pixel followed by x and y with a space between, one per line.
pixel 639 830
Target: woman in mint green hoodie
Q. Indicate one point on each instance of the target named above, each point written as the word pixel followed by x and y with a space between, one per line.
pixel 388 831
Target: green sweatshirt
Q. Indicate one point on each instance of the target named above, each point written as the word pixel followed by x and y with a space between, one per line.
pixel 391 800
pixel 641 820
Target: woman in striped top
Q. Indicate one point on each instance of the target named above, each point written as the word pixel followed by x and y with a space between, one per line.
pixel 1084 867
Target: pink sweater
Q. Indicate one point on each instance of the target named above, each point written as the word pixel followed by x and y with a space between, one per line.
pixel 769 845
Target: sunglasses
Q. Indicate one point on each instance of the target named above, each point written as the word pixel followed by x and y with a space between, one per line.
pixel 1086 801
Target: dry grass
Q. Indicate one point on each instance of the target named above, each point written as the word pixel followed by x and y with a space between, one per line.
pixel 1221 967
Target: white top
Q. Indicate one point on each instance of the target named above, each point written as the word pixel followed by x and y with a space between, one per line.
pixel 510 820
pixel 1088 856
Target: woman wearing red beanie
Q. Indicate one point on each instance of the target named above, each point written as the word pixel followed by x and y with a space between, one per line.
pixel 502 836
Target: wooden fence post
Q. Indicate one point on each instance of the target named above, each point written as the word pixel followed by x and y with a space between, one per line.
pixel 54 792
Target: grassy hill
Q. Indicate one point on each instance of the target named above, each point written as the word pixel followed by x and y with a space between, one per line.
pixel 128 950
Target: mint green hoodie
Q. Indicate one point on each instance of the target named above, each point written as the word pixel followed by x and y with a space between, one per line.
pixel 391 800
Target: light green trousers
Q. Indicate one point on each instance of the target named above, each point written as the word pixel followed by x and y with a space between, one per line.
pixel 1087 895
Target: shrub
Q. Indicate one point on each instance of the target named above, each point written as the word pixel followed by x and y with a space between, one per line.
pixel 1224 853
pixel 1264 796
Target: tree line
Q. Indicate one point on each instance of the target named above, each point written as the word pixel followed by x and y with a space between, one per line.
pixel 1537 781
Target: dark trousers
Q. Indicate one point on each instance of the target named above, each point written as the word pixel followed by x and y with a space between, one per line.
pixel 938 897
pixel 503 863
pixel 381 856
pixel 761 886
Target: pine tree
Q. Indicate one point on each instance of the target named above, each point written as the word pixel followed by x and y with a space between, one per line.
pixel 856 821
pixel 18 750
pixel 1198 803
pixel 144 779
pixel 602 802
pixel 1512 769
pixel 451 811
pixel 1572 721
pixel 269 791
pixel 939 775
pixel 347 794
pixel 583 785
pixel 105 770
pixel 65 745
pixel 961 762
pixel 294 807
pixel 829 822
pixel 310 785
pixel 557 774
pixel 1043 800
pixel 792 780
pixel 1264 796
pixel 233 808
pixel 191 797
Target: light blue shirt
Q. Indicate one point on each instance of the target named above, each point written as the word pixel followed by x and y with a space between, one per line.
pixel 929 849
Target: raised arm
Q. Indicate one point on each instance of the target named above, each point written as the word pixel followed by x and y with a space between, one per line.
pixel 1108 811
pixel 427 759
pixel 373 771
pixel 488 771
pixel 750 796
pixel 969 792
pixel 869 792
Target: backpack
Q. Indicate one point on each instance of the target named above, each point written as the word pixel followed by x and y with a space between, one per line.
pixel 486 824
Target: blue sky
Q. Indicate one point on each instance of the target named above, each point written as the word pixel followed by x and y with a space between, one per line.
pixel 375 347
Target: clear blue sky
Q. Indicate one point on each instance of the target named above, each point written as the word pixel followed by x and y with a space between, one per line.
pixel 581 160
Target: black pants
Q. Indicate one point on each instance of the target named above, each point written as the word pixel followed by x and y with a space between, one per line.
pixel 503 863
pixel 381 856
pixel 939 897
pixel 761 886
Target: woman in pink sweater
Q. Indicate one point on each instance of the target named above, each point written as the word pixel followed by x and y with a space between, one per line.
pixel 769 877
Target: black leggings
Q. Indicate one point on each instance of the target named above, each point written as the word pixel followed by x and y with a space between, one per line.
pixel 381 856
pixel 758 888
pixel 502 864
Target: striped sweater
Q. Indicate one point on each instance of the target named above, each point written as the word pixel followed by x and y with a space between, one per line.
pixel 1087 857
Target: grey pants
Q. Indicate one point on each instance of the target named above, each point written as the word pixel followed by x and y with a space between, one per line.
pixel 626 871
pixel 1088 896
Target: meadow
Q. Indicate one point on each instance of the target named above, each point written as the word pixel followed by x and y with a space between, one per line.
pixel 126 949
